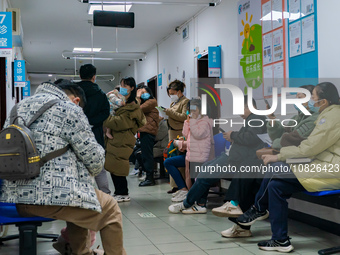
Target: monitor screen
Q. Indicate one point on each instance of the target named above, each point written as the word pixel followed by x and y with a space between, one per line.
pixel 114 19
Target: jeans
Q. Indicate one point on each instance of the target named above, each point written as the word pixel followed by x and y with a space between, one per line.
pixel 172 164
pixel 147 142
pixel 200 190
pixel 275 189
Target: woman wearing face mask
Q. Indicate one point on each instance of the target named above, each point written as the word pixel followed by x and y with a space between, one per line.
pixel 323 146
pixel 124 125
pixel 176 117
pixel 148 132
pixel 197 130
pixel 287 136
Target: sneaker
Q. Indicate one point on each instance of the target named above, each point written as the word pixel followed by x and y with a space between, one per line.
pixel 181 195
pixel 134 172
pixel 122 198
pixel 176 208
pixel 227 210
pixel 62 246
pixel 173 190
pixel 195 209
pixel 252 215
pixel 236 231
pixel 276 245
pixel 175 193
pixel 142 178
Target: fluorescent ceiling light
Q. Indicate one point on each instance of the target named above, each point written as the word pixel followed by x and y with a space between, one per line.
pixel 50 75
pixel 87 49
pixel 107 7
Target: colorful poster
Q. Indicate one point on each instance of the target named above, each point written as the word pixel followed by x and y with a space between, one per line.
pixel 295 39
pixel 308 34
pixel 294 10
pixel 266 17
pixel 278 75
pixel 267 80
pixel 267 49
pixel 278 45
pixel 250 46
pixel 277 14
pixel 307 7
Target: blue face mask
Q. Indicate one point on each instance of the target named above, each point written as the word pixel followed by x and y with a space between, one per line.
pixel 145 96
pixel 311 106
pixel 123 91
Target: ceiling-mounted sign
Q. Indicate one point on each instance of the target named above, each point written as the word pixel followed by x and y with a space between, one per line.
pixel 6 34
pixel 214 61
pixel 19 73
pixel 27 89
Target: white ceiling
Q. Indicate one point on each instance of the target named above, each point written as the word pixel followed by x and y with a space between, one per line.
pixel 53 26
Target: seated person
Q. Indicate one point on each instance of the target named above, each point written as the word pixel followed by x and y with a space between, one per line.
pixel 245 144
pixel 323 146
pixel 197 131
pixel 162 138
pixel 65 188
pixel 244 186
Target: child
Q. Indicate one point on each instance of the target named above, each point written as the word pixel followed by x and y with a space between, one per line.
pixel 116 100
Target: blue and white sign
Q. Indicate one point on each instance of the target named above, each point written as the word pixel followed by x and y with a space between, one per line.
pixel 214 62
pixel 19 73
pixel 27 89
pixel 160 79
pixel 6 34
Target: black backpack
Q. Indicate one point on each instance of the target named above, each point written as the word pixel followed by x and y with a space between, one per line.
pixel 19 157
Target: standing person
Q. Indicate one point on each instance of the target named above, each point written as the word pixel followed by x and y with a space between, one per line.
pixel 148 132
pixel 124 125
pixel 96 110
pixel 65 190
pixel 177 114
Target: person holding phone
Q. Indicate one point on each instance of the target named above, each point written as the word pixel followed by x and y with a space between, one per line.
pixel 176 116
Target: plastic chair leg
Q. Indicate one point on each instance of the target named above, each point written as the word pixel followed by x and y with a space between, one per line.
pixel 332 250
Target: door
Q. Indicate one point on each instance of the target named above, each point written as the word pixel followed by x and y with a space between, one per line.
pixel 152 84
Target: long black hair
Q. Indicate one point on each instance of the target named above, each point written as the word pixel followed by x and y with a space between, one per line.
pixel 147 90
pixel 130 81
pixel 328 91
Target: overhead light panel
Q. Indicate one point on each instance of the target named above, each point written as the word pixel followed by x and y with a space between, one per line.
pixel 87 49
pixel 109 7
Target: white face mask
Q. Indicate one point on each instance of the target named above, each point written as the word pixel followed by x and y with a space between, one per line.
pixel 173 98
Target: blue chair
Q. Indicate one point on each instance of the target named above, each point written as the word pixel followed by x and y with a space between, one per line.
pixel 319 194
pixel 220 144
pixel 27 228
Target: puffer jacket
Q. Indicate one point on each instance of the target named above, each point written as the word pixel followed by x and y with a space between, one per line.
pixel 66 180
pixel 198 133
pixel 323 145
pixel 151 115
pixel 124 126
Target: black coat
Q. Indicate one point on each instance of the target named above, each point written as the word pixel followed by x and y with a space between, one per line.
pixel 97 108
pixel 246 141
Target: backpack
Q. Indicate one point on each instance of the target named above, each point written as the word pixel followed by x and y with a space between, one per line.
pixel 170 150
pixel 19 157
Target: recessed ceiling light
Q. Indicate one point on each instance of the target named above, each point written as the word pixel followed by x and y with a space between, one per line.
pixel 50 75
pixel 107 7
pixel 87 49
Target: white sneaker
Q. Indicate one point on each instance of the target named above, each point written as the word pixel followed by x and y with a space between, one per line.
pixel 142 178
pixel 175 193
pixel 236 231
pixel 195 209
pixel 181 195
pixel 134 172
pixel 227 210
pixel 176 208
pixel 122 198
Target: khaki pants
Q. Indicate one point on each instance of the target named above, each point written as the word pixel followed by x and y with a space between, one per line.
pixel 79 220
pixel 172 135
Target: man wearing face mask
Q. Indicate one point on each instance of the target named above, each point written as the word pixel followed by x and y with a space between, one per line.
pixel 148 132
pixel 177 115
pixel 97 110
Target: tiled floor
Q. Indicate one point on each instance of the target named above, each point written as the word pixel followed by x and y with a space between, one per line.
pixel 184 234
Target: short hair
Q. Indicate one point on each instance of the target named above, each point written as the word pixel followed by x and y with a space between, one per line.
pixel 130 81
pixel 177 85
pixel 246 101
pixel 70 88
pixel 87 71
pixel 328 91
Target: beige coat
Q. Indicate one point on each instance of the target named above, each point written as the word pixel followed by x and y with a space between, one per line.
pixel 323 145
pixel 177 113
pixel 124 126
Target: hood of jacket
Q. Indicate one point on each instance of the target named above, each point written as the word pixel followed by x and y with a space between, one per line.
pixel 89 87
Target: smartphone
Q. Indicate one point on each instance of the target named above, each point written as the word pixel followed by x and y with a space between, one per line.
pixel 221 129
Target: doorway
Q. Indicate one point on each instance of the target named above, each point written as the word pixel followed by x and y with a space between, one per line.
pixel 204 81
pixel 152 84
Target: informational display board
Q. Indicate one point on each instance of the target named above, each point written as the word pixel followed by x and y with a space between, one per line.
pixel 6 43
